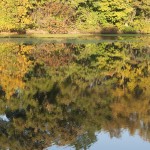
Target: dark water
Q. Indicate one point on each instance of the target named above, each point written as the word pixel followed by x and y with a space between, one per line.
pixel 75 93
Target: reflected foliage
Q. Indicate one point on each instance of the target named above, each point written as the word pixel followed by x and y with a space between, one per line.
pixel 65 93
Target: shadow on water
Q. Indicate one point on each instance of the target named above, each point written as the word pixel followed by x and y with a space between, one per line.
pixel 85 39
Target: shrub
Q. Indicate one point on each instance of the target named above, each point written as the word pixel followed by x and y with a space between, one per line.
pixel 109 29
pixel 129 30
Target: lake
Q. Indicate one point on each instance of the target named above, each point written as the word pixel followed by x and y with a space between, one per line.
pixel 86 93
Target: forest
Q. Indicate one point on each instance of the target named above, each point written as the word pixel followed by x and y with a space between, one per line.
pixel 75 16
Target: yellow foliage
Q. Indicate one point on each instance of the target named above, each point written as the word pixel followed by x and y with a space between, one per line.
pixel 13 67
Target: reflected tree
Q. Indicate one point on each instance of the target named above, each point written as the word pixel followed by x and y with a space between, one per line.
pixel 63 93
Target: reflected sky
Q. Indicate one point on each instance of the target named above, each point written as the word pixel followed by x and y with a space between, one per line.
pixel 104 142
pixel 4 118
pixel 126 142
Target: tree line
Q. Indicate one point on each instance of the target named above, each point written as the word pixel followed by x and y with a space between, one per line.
pixel 67 16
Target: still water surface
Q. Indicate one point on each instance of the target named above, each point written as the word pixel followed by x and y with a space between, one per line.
pixel 87 93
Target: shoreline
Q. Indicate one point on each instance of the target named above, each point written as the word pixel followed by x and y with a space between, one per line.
pixel 14 35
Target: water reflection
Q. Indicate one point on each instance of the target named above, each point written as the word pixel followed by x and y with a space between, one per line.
pixel 64 93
